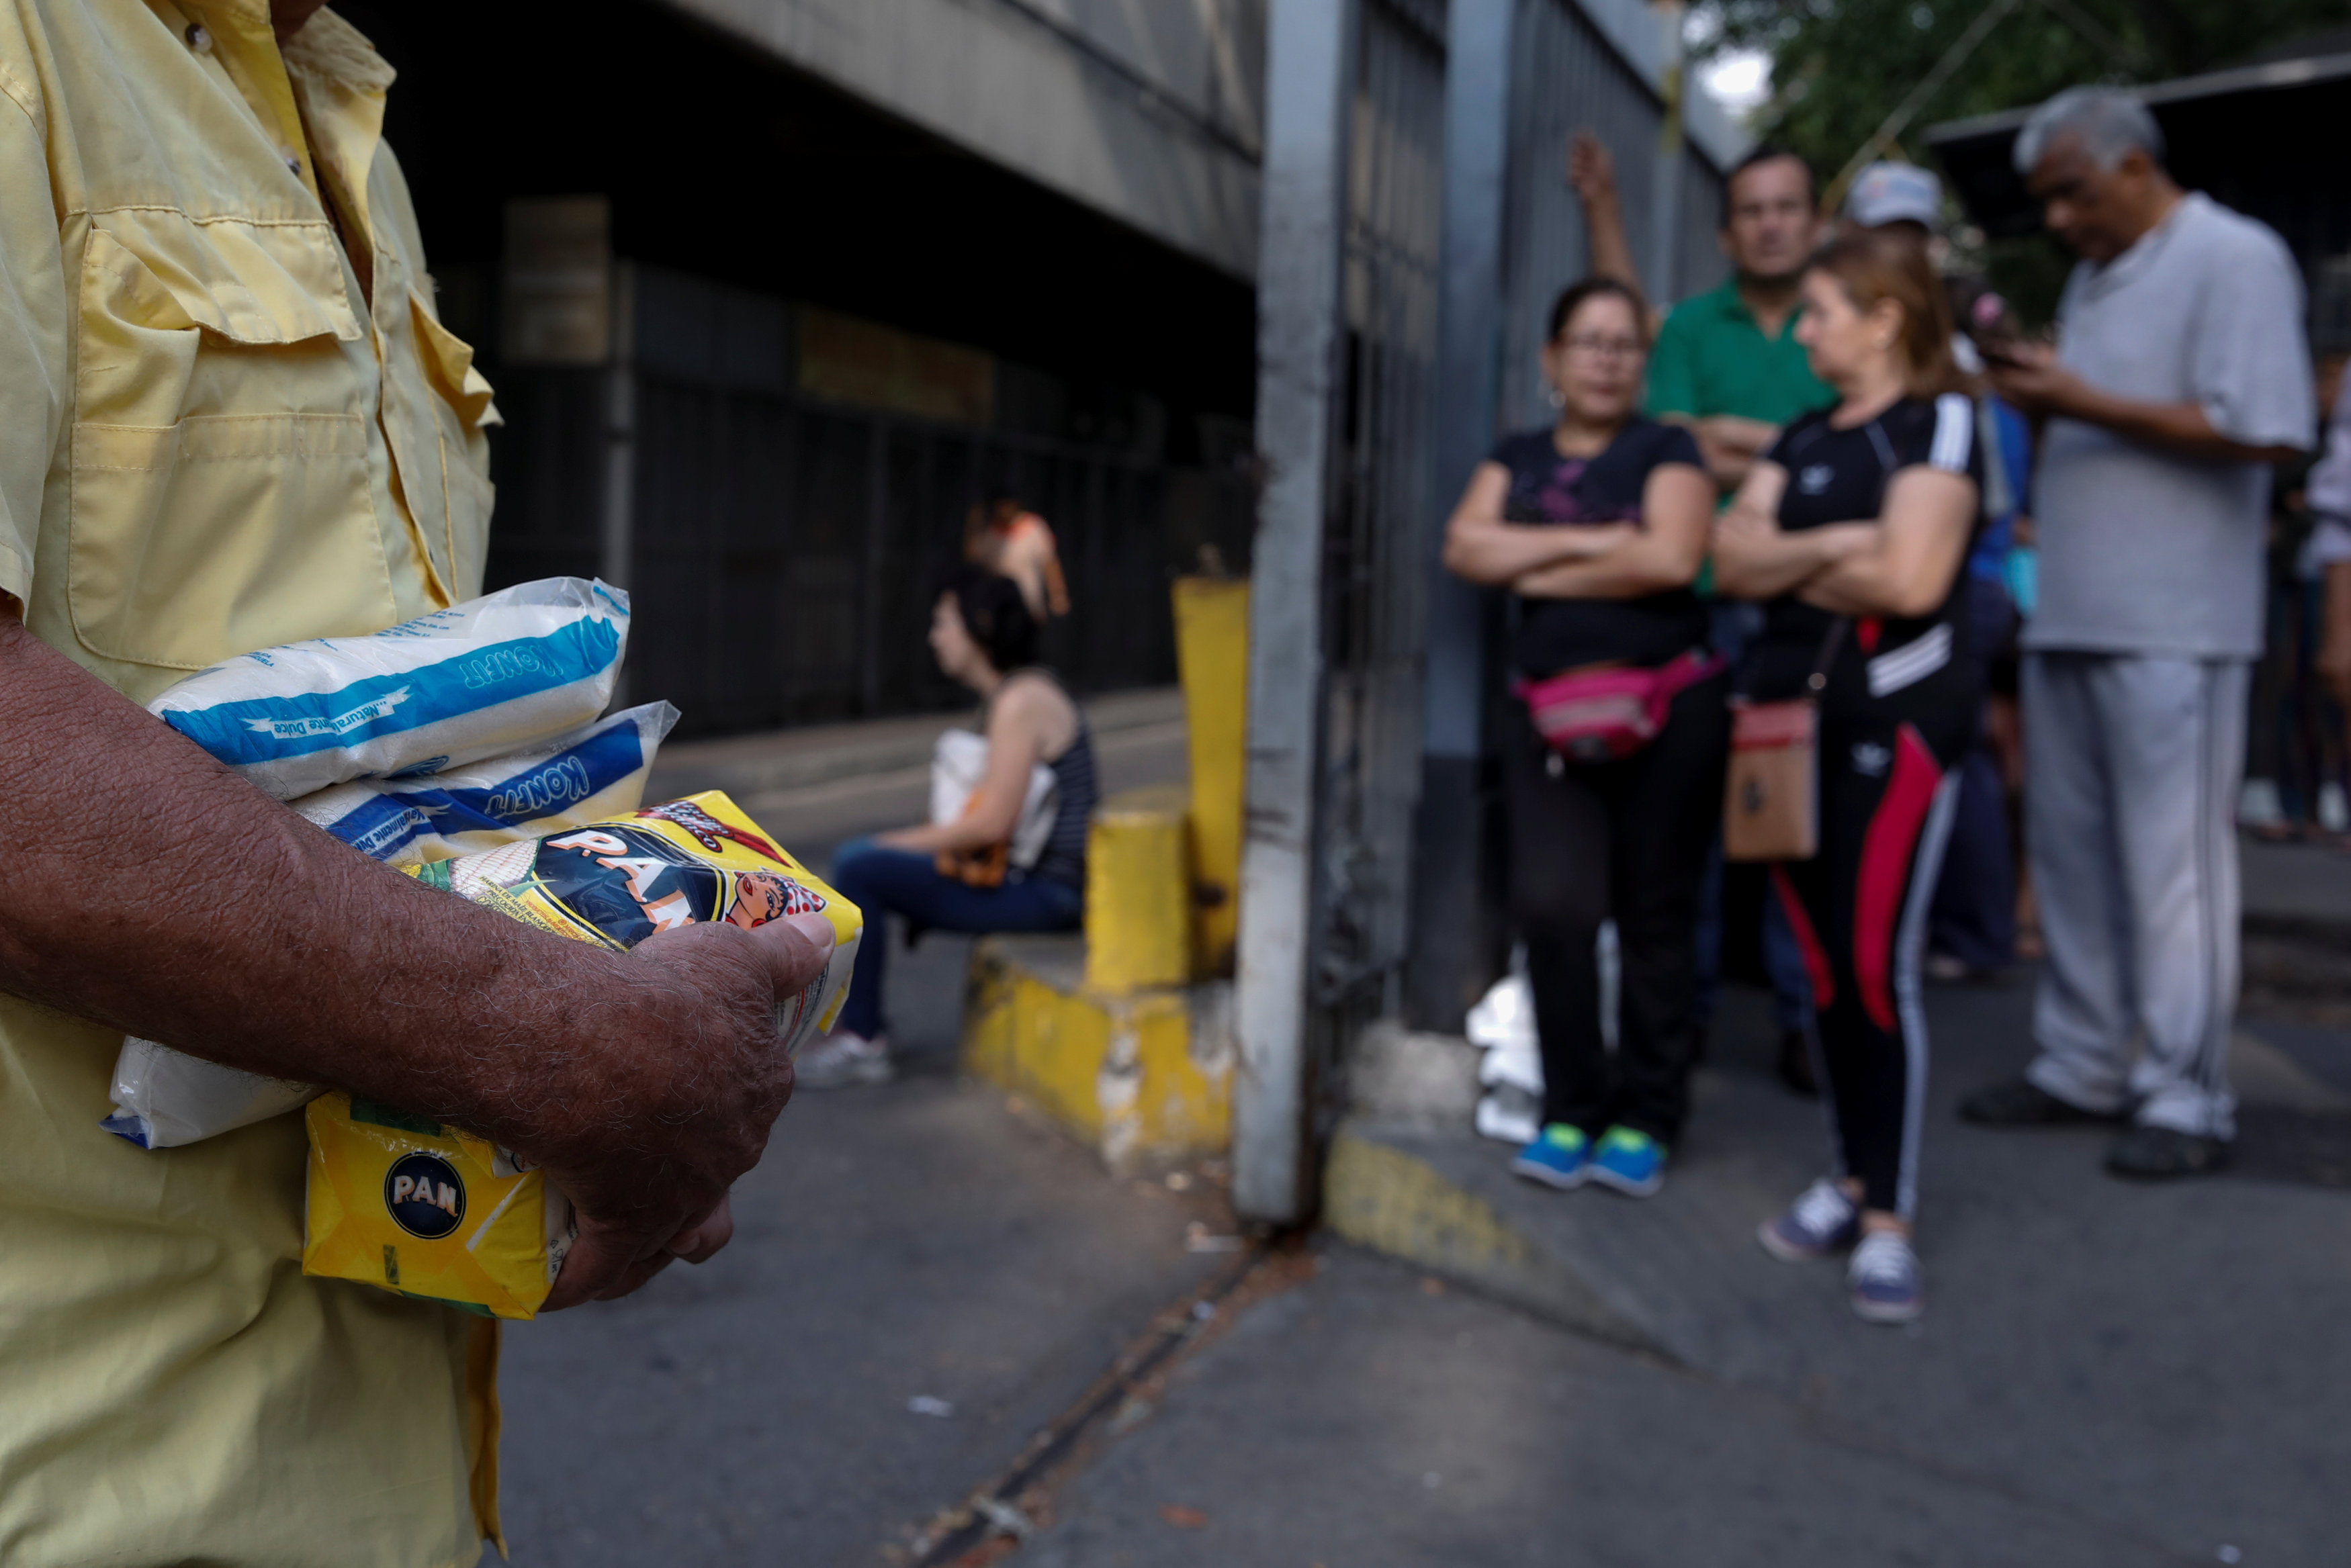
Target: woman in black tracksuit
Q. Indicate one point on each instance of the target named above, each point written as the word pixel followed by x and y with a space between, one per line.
pixel 1853 528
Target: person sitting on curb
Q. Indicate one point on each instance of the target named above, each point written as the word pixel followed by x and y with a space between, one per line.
pixel 942 876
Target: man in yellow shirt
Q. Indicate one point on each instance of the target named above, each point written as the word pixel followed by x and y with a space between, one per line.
pixel 229 419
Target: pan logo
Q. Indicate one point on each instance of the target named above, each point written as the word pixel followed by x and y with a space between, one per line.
pixel 424 1195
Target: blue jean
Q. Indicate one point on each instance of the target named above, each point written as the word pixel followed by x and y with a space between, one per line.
pixel 882 882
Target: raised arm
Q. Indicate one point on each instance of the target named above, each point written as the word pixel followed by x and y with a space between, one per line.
pixel 1484 549
pixel 1665 553
pixel 150 889
pixel 1592 174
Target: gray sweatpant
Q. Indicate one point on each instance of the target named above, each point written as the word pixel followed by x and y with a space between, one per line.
pixel 2131 769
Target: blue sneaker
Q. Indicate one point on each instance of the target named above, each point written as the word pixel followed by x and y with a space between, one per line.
pixel 1882 1281
pixel 1822 1220
pixel 1560 1156
pixel 1633 1163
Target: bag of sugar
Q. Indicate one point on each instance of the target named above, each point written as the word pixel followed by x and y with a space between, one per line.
pixel 486 677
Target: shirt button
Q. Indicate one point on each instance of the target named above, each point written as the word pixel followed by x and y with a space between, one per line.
pixel 294 162
pixel 200 37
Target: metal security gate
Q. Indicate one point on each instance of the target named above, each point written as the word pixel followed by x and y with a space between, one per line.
pixel 1416 224
pixel 1566 76
pixel 782 551
pixel 1522 76
pixel 1375 598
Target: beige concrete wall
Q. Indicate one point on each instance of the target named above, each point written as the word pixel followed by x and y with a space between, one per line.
pixel 1148 110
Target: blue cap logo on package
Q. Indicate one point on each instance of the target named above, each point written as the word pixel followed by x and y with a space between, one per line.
pixel 424 1195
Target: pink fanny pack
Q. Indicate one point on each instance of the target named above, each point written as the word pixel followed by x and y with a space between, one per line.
pixel 1600 715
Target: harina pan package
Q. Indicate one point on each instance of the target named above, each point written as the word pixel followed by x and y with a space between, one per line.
pixel 407 1204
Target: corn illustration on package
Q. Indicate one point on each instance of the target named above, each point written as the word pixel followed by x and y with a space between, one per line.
pixel 405 1203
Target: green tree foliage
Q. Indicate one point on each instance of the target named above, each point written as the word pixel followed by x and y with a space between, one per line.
pixel 1840 67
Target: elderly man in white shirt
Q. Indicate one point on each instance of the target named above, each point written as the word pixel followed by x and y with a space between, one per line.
pixel 2180 375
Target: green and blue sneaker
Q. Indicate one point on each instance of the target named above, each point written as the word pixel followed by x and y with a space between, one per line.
pixel 1560 1156
pixel 1633 1163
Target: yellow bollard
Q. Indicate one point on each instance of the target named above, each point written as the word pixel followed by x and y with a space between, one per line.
pixel 1212 653
pixel 1138 877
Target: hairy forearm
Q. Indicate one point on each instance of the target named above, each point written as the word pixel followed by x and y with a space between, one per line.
pixel 2183 429
pixel 150 889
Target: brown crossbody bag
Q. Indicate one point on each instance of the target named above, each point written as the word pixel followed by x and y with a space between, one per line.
pixel 1771 796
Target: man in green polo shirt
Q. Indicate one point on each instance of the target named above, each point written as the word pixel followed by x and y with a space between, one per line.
pixel 1726 363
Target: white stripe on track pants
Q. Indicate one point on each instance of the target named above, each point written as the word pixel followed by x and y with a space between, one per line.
pixel 2132 766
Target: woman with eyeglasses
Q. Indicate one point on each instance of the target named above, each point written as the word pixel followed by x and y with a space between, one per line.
pixel 1596 525
pixel 1853 528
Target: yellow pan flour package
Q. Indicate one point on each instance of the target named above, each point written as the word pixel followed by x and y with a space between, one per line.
pixel 405 1203
pixel 424 1210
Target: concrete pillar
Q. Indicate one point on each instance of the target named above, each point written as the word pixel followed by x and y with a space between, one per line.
pixel 1453 916
pixel 1311 80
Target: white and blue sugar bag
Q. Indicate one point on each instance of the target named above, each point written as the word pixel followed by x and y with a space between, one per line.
pixel 164 1098
pixel 486 712
pixel 592 773
pixel 486 677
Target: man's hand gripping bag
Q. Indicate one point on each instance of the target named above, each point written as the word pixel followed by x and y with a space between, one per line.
pixel 403 1203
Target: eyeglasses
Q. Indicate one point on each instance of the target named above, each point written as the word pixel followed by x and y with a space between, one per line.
pixel 1600 347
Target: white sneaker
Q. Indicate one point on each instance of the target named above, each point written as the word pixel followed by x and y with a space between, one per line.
pixel 841 1060
pixel 1882 1280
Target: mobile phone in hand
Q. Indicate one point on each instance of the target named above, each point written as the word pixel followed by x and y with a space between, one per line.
pixel 1991 325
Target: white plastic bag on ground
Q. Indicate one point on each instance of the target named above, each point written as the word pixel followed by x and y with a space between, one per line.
pixel 1503 1022
pixel 505 670
pixel 594 771
pixel 520 673
pixel 1503 1025
pixel 958 763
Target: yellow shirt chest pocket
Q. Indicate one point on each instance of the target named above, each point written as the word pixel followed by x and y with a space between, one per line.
pixel 220 443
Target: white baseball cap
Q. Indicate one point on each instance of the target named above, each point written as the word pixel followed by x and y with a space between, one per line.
pixel 1889 193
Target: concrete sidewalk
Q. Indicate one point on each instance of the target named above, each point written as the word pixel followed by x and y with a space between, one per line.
pixel 2165 1362
pixel 926 1238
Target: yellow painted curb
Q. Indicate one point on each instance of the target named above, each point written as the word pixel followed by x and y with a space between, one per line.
pixel 1381 1197
pixel 1143 1077
pixel 1138 891
pixel 1212 655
